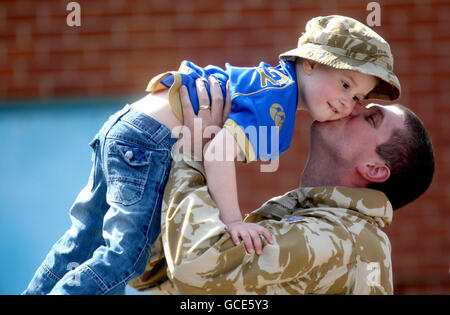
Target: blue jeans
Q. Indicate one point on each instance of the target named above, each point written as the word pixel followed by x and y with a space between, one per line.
pixel 116 217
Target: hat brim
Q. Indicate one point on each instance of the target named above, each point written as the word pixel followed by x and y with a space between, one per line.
pixel 388 87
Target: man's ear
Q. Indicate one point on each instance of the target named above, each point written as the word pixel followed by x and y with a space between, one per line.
pixel 308 66
pixel 374 172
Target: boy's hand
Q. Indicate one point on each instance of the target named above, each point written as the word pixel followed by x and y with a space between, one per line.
pixel 251 234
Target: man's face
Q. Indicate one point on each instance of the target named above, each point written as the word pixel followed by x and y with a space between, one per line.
pixel 353 139
pixel 331 94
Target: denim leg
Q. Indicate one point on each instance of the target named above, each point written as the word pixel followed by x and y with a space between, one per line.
pixel 135 174
pixel 85 235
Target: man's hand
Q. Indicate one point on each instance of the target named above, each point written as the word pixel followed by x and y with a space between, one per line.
pixel 251 234
pixel 211 114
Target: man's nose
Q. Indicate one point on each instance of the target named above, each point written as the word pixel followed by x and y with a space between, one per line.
pixel 358 109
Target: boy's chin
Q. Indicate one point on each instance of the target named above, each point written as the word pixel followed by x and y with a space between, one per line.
pixel 323 118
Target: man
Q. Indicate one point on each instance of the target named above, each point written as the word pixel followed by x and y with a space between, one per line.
pixel 327 236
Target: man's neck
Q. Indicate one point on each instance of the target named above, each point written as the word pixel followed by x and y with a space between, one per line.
pixel 313 174
pixel 321 172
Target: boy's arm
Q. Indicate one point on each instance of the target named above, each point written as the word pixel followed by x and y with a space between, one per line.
pixel 220 170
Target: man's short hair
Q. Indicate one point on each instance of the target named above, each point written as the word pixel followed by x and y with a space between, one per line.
pixel 409 155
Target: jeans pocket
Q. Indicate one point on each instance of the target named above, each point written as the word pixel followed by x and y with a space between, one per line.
pixel 128 167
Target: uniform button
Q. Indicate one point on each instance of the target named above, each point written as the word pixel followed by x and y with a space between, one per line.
pixel 129 155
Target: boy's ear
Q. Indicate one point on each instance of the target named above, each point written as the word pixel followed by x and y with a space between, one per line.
pixel 308 66
pixel 374 172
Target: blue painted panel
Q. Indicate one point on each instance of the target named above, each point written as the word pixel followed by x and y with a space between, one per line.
pixel 45 161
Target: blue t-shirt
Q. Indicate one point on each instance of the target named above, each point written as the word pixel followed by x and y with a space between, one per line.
pixel 263 100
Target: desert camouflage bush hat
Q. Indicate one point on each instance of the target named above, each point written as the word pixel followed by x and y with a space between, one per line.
pixel 345 43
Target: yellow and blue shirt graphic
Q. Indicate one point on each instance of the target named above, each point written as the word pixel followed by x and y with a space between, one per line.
pixel 264 102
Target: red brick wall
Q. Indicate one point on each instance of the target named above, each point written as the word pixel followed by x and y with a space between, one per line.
pixel 121 44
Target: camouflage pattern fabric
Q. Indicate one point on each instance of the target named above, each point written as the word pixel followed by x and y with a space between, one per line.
pixel 345 43
pixel 327 240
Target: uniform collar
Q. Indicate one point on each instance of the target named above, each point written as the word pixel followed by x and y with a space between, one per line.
pixel 369 202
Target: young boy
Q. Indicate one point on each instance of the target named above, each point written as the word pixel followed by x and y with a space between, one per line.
pixel 116 217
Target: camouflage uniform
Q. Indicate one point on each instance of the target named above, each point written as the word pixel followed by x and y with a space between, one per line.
pixel 327 240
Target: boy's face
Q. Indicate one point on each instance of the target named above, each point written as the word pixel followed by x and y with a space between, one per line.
pixel 331 94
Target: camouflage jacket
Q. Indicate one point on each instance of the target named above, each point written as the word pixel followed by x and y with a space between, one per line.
pixel 327 240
